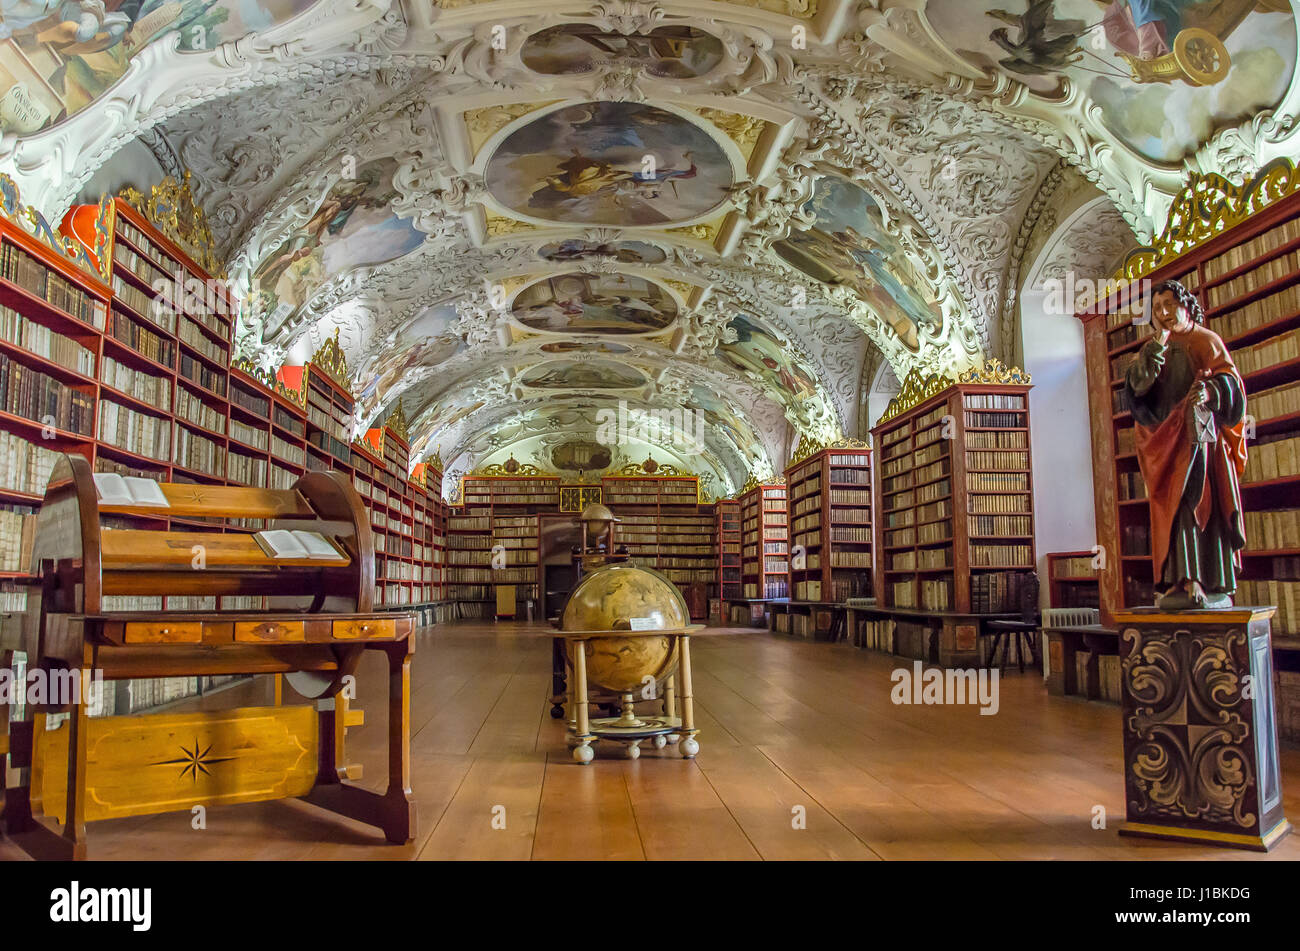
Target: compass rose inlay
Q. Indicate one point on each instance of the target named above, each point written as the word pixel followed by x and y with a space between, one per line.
pixel 194 761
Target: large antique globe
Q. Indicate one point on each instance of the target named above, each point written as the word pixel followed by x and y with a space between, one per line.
pixel 623 597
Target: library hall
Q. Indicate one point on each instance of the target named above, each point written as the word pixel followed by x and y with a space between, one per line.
pixel 694 430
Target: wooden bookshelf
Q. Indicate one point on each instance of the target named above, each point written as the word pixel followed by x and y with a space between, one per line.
pixel 1072 580
pixel 955 531
pixel 664 527
pixel 765 542
pixel 728 535
pixel 830 518
pixel 497 509
pixel 1241 256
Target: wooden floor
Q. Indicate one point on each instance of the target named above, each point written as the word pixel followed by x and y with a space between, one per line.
pixel 786 727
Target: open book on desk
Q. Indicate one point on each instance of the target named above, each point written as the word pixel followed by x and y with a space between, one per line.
pixel 114 489
pixel 285 543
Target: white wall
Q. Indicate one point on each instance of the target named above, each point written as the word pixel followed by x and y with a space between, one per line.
pixel 1060 438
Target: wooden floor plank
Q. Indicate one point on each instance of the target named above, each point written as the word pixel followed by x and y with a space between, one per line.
pixel 586 811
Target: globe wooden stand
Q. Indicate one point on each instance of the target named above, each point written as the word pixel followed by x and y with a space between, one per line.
pixel 1200 733
pixel 629 728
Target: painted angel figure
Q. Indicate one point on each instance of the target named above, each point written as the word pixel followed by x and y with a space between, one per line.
pixel 1189 407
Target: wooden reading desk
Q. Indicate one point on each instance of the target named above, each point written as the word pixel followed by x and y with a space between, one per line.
pixel 316 620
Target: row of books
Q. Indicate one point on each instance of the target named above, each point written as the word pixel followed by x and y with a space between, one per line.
pixel 246 470
pixel 154 390
pixel 1016 503
pixel 37 396
pixel 1005 525
pixel 249 435
pixel 135 432
pixel 40 340
pixel 193 410
pixel 191 336
pixel 1272 530
pixel 994 401
pixel 144 305
pixel 200 373
pixel 858 476
pixel 17 534
pixel 928 594
pixel 997 592
pixel 1279 401
pixel 1077 566
pixel 1284 594
pixel 998 556
pixel 24 466
pixel 1273 460
pixel 771 588
pixel 141 339
pixel 933 532
pixel 1275 269
pixel 255 403
pixel 997 459
pixel 998 440
pixel 997 482
pixel 197 453
pixel 1281 303
pixel 1131 486
pixel 1248 251
pixel 19 267
pixel 1279 349
pixel 1135 539
pixel 994 420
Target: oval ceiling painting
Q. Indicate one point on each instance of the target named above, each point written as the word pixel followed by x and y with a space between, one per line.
pixel 575 346
pixel 581 455
pixel 624 252
pixel 595 304
pixel 587 375
pixel 674 52
pixel 610 163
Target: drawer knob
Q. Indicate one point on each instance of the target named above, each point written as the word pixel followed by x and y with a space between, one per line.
pixel 166 630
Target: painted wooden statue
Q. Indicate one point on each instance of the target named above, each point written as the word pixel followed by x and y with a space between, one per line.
pixel 1189 407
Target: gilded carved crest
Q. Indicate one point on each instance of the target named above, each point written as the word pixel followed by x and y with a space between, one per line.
pixel 1208 206
pixel 170 207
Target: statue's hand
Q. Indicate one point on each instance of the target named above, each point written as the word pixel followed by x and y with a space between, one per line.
pixel 1201 395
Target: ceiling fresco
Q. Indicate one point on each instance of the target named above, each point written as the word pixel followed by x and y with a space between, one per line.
pixel 1164 73
pixel 516 216
pixel 56 58
pixel 610 163
pixel 586 304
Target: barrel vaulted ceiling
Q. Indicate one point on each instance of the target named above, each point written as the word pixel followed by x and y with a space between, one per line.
pixel 518 215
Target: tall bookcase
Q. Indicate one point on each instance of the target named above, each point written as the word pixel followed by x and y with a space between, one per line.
pixel 500 509
pixel 664 527
pixel 729 583
pixel 765 542
pixel 830 518
pixel 955 534
pixel 1238 248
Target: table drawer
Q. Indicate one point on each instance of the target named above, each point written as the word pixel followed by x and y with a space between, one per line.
pixel 163 632
pixel 270 632
pixel 365 630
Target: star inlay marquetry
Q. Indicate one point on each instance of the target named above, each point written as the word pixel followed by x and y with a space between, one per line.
pixel 195 761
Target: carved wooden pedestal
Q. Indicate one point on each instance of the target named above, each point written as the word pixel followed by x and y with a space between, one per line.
pixel 1200 729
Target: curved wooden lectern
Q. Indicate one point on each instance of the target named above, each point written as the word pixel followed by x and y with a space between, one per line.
pixel 318 619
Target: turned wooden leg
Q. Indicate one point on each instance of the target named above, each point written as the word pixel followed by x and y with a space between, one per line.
pixel 689 745
pixel 582 753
